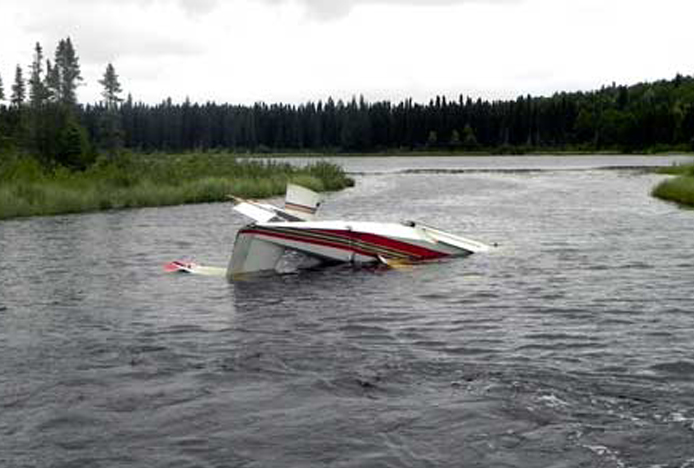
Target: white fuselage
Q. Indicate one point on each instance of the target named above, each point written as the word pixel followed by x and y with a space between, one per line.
pixel 259 246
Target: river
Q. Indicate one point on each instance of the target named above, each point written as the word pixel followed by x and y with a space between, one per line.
pixel 568 345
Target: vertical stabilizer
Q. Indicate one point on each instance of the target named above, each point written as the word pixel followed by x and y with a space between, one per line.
pixel 301 202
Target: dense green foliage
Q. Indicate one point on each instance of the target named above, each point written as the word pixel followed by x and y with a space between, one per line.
pixel 637 118
pixel 27 188
pixel 677 189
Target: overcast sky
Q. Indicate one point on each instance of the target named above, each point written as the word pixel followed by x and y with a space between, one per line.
pixel 242 51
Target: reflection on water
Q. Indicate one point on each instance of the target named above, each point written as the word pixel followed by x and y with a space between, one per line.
pixel 569 345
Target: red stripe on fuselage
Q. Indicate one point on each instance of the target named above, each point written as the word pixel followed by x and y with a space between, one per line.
pixel 414 251
pixel 306 240
pixel 407 250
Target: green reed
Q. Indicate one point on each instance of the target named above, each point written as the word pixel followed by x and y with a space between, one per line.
pixel 130 181
pixel 678 189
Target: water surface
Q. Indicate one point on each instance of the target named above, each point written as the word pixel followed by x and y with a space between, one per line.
pixel 569 345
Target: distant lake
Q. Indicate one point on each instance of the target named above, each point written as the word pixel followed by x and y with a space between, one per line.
pixel 568 345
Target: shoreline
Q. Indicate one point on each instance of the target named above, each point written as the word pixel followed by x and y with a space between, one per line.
pixel 166 179
pixel 425 154
pixel 27 189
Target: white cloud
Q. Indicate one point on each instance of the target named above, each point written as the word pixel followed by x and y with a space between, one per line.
pixel 198 7
pixel 332 9
pixel 103 32
pixel 242 51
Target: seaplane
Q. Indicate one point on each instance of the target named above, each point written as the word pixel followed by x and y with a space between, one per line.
pixel 274 231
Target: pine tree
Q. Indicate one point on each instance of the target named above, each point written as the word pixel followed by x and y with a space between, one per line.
pixel 2 91
pixel 73 146
pixel 68 71
pixel 18 88
pixel 455 139
pixel 44 118
pixel 112 87
pixel 37 89
pixel 52 82
pixel 112 135
pixel 432 139
pixel 469 138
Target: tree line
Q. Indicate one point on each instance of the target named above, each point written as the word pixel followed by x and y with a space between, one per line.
pixel 48 122
pixel 635 118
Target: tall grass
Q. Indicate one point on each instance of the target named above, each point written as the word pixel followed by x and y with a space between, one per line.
pixel 678 189
pixel 677 169
pixel 27 189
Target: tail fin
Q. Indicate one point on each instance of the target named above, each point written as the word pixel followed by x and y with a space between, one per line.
pixel 301 202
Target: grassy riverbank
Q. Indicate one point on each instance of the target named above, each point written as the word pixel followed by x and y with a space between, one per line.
pixel 27 189
pixel 678 189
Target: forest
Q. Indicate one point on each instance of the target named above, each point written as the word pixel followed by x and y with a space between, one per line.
pixel 638 118
pixel 42 117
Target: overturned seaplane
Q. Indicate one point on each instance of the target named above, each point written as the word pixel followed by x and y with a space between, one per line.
pixel 260 245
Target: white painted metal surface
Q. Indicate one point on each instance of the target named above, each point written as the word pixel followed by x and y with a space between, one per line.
pixel 259 246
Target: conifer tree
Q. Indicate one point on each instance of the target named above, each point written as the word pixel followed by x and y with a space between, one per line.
pixel 111 126
pixel 112 87
pixel 44 120
pixel 18 88
pixel 37 88
pixel 73 145
pixel 52 82
pixel 469 138
pixel 68 72
pixel 2 90
pixel 455 139
pixel 432 139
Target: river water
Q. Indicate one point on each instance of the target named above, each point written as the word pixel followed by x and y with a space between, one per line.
pixel 569 345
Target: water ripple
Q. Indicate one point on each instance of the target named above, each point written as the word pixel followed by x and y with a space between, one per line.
pixel 570 345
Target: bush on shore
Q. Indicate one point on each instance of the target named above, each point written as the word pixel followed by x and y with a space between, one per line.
pixel 678 189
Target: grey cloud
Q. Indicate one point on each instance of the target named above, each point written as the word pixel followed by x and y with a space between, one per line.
pixel 192 7
pixel 99 40
pixel 337 8
pixel 101 31
pixel 198 7
pixel 95 46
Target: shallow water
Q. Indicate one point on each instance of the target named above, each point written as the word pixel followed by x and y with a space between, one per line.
pixel 569 345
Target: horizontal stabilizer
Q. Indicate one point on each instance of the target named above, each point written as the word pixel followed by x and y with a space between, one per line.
pixel 255 211
pixel 178 266
pixel 262 212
